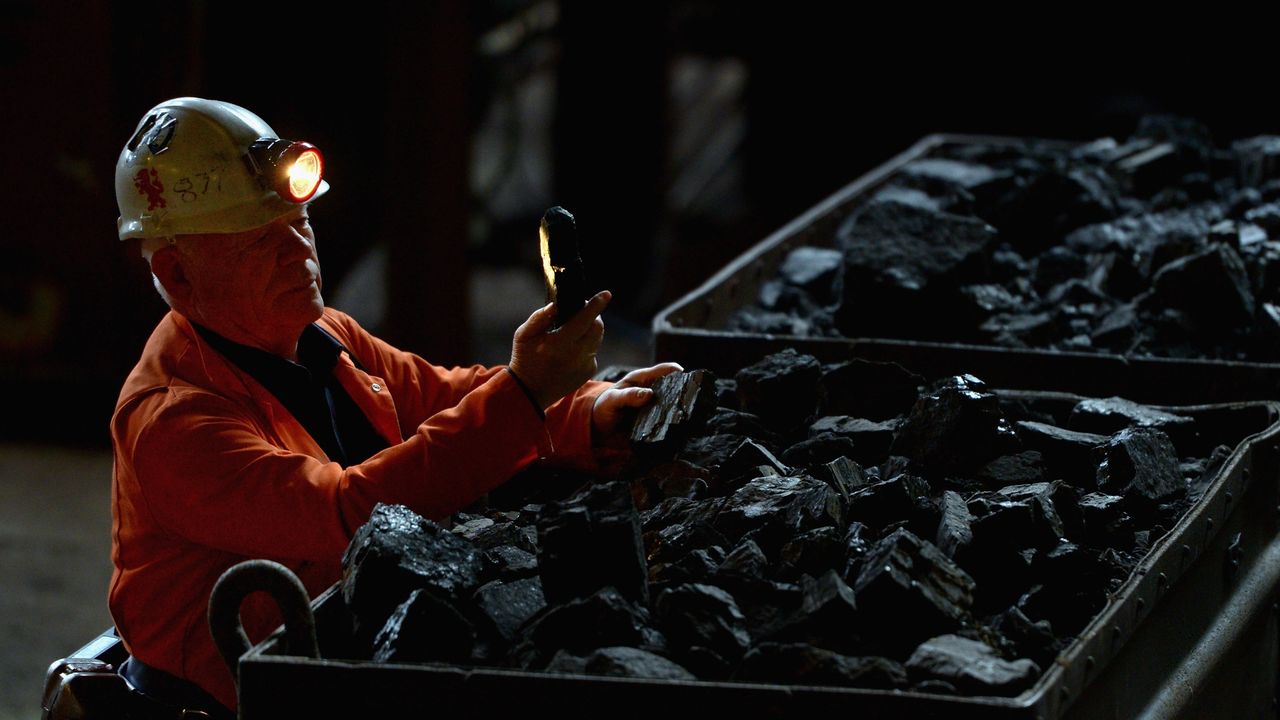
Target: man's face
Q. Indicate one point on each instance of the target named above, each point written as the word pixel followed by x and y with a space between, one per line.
pixel 261 286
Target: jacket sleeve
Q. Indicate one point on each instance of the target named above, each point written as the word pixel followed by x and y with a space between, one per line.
pixel 210 473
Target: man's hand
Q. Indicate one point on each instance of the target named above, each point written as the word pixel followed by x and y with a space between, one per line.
pixel 554 363
pixel 632 391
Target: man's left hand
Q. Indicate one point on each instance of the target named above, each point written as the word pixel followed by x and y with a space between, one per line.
pixel 632 391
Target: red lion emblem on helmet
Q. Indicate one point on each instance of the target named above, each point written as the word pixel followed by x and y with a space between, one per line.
pixel 150 186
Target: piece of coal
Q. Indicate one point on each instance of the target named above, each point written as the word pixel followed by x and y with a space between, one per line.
pixel 396 552
pixel 735 422
pixel 1032 640
pixel 957 426
pixel 564 274
pixel 692 567
pixel 674 541
pixel 606 619
pixel 819 450
pixel 857 543
pixel 782 506
pixel 1212 287
pixel 843 475
pixel 509 605
pixel 817 270
pixel 675 478
pixel 908 591
pixel 873 390
pixel 508 562
pixel 1071 453
pixel 1105 520
pixel 703 616
pixel 619 662
pixel 710 451
pixel 881 503
pixel 682 511
pixel 726 394
pixel 486 534
pixel 1016 469
pixel 1257 159
pixel 827 615
pixel 971 666
pixel 814 552
pixel 591 541
pixel 1021 516
pixel 953 529
pixel 780 389
pixel 751 460
pixel 747 561
pixel 1141 465
pixel 1105 416
pixel 682 402
pixel 802 664
pixel 423 628
pixel 871 439
pixel 904 257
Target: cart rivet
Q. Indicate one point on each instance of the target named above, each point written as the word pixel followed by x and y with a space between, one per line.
pixel 1140 604
pixel 1115 633
pixel 1162 579
pixel 1227 496
pixel 1209 523
pixel 1089 663
pixel 1246 473
pixel 1066 693
pixel 1186 551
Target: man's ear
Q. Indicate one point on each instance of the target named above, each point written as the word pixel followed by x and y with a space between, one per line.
pixel 166 266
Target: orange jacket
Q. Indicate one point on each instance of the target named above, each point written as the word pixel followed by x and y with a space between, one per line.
pixel 211 469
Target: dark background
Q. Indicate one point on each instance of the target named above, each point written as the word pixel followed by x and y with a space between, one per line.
pixel 679 133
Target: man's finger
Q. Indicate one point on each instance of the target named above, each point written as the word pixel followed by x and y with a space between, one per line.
pixel 538 323
pixel 647 376
pixel 579 324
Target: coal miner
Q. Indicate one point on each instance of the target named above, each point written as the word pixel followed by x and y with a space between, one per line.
pixel 259 423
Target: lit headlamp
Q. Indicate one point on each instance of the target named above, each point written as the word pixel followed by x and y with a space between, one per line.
pixel 292 168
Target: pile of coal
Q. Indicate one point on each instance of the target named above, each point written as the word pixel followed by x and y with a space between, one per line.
pixel 845 524
pixel 1162 244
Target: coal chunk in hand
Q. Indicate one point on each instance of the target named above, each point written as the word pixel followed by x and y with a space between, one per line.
pixel 682 402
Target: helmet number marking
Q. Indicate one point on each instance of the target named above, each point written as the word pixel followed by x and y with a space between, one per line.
pixel 193 187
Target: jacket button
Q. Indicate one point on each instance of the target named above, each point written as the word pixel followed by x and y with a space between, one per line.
pixel 376 387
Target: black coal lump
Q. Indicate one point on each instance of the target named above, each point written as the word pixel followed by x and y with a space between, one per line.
pixel 954 526
pixel 605 619
pixel 908 591
pixel 508 605
pixel 780 389
pixel 590 541
pixel 871 439
pixel 1141 465
pixel 819 450
pixel 882 503
pixel 735 422
pixel 957 426
pixel 1105 416
pixel 619 662
pixel 782 506
pixel 827 615
pixel 1071 453
pixel 803 664
pixel 815 551
pixel 1211 287
pixel 864 389
pixel 681 403
pixel 702 616
pixel 970 666
pixel 816 270
pixel 423 628
pixel 396 552
pixel 1015 469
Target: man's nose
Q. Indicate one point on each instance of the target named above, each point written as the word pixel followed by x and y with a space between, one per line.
pixel 294 246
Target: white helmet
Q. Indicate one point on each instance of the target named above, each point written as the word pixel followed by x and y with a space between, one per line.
pixel 198 166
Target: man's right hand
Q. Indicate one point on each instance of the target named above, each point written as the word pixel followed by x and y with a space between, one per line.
pixel 554 363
